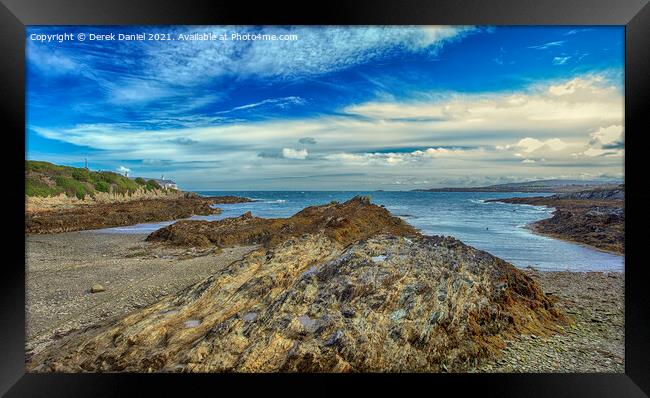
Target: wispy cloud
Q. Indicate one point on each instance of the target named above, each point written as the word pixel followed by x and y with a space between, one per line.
pixel 319 51
pixel 551 44
pixel 281 103
pixel 560 60
pixel 576 31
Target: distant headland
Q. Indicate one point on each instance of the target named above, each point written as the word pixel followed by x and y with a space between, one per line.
pixel 555 186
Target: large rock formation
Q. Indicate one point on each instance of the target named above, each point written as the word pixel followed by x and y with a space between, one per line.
pixel 326 296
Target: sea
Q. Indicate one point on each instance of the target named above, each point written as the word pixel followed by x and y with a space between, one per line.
pixel 498 228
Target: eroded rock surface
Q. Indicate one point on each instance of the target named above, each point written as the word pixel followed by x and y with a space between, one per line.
pixel 315 302
pixel 344 223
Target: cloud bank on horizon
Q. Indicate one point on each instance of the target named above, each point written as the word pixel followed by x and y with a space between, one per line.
pixel 339 108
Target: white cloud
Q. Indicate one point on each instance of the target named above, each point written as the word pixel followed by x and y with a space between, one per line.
pixel 449 120
pixel 50 59
pixel 137 91
pixel 436 152
pixel 319 51
pixel 584 86
pixel 548 45
pixel 529 145
pixel 291 153
pixel 560 60
pixel 393 158
pixel 123 170
pixel 555 144
pixel 580 102
pixel 594 152
pixel 605 141
pixel 277 102
pixel 575 31
pixel 608 135
pixel 174 68
pixel 451 134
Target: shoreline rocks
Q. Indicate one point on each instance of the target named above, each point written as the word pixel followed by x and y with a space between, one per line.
pixel 228 199
pixel 599 223
pixel 122 213
pixel 335 288
pixel 115 214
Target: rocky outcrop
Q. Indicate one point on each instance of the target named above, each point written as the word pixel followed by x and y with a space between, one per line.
pixel 336 291
pixel 105 215
pixel 229 199
pixel 104 212
pixel 601 194
pixel 344 223
pixel 594 218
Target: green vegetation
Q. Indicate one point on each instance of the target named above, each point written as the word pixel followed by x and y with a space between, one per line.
pixel 72 187
pixel 47 179
pixel 38 188
pixel 103 186
pixel 151 185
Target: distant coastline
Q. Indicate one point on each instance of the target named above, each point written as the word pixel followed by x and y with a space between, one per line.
pixel 595 218
pixel 539 186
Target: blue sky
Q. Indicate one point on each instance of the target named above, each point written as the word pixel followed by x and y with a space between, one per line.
pixel 336 108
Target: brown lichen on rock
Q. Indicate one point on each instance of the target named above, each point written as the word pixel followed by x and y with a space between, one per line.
pixel 320 301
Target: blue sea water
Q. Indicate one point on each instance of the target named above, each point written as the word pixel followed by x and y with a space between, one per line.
pixel 497 228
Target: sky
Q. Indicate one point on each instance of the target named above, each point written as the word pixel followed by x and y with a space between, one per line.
pixel 329 108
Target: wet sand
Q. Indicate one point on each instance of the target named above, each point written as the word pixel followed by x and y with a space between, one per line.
pixel 62 268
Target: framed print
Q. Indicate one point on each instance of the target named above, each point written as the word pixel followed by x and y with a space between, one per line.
pixel 432 192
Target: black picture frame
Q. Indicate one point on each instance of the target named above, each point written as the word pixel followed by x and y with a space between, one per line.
pixel 16 14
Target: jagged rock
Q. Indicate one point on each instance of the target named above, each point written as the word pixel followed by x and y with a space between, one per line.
pixel 597 194
pixel 345 223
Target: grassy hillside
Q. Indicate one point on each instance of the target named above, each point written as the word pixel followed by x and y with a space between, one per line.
pixel 47 179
